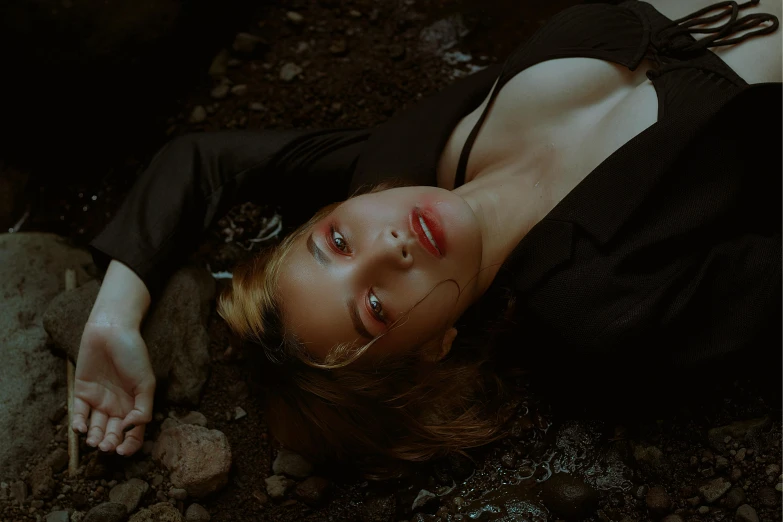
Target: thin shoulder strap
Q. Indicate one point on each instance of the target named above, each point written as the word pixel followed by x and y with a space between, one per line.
pixel 462 165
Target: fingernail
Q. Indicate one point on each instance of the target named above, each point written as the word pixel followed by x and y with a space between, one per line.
pixel 120 451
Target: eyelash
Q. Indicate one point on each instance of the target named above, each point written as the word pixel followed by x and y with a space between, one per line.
pixel 377 315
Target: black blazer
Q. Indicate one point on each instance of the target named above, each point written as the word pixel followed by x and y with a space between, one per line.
pixel 679 265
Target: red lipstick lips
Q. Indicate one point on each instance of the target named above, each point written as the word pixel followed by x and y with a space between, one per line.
pixel 429 231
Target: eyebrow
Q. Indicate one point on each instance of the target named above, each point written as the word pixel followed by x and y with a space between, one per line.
pixel 353 308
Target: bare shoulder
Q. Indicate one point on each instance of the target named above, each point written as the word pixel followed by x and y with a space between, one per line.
pixel 756 60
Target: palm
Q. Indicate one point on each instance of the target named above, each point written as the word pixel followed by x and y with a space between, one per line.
pixel 114 386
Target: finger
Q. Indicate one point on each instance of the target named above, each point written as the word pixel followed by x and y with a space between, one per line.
pixel 113 435
pixel 134 439
pixel 142 409
pixel 81 410
pixel 97 428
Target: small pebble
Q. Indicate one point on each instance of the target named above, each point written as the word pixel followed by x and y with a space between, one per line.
pixel 746 513
pixel 294 17
pixel 239 413
pixel 740 456
pixel 239 89
pixel 196 513
pixel 178 493
pixel 198 115
pixel 221 91
pixel 703 510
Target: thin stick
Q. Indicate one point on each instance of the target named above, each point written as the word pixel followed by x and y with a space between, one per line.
pixel 73 439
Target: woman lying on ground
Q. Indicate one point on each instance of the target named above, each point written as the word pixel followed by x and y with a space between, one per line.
pixel 609 192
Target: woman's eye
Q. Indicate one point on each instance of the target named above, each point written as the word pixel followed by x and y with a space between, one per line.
pixel 339 241
pixel 377 307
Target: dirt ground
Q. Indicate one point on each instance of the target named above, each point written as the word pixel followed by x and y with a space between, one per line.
pixel 360 61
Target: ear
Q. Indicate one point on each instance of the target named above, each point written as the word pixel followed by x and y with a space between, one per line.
pixel 438 348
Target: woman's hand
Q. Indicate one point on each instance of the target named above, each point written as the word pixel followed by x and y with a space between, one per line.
pixel 114 388
pixel 115 384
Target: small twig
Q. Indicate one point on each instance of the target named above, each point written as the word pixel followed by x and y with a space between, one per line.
pixel 73 440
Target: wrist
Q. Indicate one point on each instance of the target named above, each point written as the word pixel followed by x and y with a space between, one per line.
pixel 123 299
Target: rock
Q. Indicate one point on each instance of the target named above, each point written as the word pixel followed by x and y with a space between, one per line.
pixel 442 35
pixel 161 512
pixel 735 498
pixel 197 458
pixel 339 47
pixel 768 496
pixel 292 464
pixel 246 43
pixel 219 65
pixel 715 489
pixel 129 493
pixel 221 91
pixel 57 460
pixel 651 460
pixel 735 475
pixel 289 71
pixel 41 481
pixel 658 500
pixel 239 413
pixel 378 509
pixel 239 89
pixel 673 518
pixel 747 431
pixel 178 493
pixel 169 423
pixel 107 512
pixel 276 485
pixel 196 513
pixel 174 331
pixel 423 498
pixel 746 513
pixel 740 456
pixel 193 417
pixel 58 516
pixel 313 490
pixel 294 17
pixel 569 496
pixel 257 107
pixel 32 379
pixel 198 114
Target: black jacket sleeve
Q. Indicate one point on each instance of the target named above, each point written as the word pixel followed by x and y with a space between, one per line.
pixel 196 178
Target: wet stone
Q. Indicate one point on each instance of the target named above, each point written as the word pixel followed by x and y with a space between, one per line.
pixel 569 496
pixel 658 500
pixel 746 513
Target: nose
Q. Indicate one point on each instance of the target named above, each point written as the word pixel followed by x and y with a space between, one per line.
pixel 393 246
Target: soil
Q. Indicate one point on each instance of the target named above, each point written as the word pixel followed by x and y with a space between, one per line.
pixel 619 461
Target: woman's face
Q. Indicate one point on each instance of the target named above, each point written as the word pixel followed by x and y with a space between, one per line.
pixel 374 258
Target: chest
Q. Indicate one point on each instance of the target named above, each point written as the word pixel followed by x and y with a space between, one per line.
pixel 551 125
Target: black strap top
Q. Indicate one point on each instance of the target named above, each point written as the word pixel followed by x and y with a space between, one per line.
pixel 626 34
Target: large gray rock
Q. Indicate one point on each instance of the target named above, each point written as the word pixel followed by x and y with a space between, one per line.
pixel 175 330
pixel 32 378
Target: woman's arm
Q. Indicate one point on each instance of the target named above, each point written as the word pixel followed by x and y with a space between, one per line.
pixel 196 178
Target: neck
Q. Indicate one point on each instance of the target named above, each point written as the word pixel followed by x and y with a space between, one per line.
pixel 506 206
